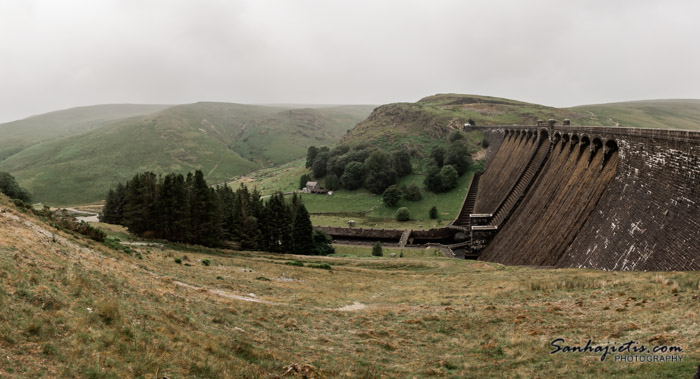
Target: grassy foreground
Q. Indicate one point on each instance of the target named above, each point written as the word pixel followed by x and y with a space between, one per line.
pixel 70 307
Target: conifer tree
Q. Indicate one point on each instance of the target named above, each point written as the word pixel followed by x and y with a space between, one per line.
pixel 278 233
pixel 302 231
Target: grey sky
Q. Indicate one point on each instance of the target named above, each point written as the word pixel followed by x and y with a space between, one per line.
pixel 60 54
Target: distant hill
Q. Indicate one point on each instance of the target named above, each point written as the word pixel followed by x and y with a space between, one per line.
pixel 222 139
pixel 661 114
pixel 18 135
pixel 435 116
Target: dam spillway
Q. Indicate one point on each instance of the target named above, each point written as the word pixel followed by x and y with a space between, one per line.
pixel 604 198
pixel 512 158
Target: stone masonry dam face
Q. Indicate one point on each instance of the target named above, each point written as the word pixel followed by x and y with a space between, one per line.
pixel 592 197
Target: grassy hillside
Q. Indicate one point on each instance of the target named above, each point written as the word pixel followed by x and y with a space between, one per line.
pixel 661 114
pixel 435 116
pixel 75 308
pixel 21 134
pixel 285 135
pixel 222 139
pixel 368 210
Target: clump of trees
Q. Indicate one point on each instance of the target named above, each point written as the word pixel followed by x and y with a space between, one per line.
pixel 9 186
pixel 185 209
pixel 446 166
pixel 353 167
pixel 358 166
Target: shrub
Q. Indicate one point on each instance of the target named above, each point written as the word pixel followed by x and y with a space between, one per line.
pixel 391 196
pixel 455 135
pixel 113 243
pixel 206 262
pixel 295 263
pixel 178 261
pixel 448 178
pixel 484 143
pixel 109 311
pixel 377 249
pixel 412 193
pixel 324 266
pixel 433 212
pixel 403 214
pixel 81 227
pixel 322 243
pixel 21 205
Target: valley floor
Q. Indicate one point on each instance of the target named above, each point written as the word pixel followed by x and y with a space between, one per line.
pixel 70 307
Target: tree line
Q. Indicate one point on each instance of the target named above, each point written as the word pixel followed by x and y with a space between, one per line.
pixel 185 209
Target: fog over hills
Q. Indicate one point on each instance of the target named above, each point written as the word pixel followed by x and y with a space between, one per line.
pixel 75 155
pixel 107 144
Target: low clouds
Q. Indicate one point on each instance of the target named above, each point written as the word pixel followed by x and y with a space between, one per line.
pixel 61 54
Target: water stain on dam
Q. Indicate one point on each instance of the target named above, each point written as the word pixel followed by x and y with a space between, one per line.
pixel 511 158
pixel 556 206
pixel 605 198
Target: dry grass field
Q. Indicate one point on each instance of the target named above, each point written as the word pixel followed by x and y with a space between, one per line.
pixel 76 308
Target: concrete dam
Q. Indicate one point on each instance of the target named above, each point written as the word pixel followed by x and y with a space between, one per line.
pixel 586 197
pixel 589 197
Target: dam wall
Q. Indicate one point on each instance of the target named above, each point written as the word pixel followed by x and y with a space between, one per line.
pixel 605 198
pixel 649 216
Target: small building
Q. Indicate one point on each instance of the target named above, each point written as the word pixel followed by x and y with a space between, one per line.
pixel 314 187
pixel 311 186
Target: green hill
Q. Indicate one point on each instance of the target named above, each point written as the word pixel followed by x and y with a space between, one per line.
pixel 18 135
pixel 434 116
pixel 661 114
pixel 222 139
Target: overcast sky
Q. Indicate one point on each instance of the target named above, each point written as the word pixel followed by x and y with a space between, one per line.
pixel 61 54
